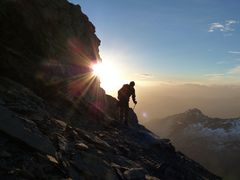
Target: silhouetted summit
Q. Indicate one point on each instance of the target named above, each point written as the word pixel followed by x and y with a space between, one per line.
pixel 56 122
pixel 193 115
pixel 194 111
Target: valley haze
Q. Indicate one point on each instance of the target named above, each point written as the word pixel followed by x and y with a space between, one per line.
pixel 221 101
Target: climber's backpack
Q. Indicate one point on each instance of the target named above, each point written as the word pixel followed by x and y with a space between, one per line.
pixel 123 92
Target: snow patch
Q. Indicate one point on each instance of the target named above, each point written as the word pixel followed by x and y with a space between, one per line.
pixel 219 137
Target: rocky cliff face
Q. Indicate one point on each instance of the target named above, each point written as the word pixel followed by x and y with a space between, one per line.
pixel 52 123
pixel 50 42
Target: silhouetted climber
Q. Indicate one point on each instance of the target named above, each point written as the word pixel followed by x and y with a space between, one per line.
pixel 124 94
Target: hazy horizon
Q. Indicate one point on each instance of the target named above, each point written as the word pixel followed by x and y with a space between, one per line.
pixel 155 102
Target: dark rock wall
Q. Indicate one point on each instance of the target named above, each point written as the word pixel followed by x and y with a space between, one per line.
pixel 47 42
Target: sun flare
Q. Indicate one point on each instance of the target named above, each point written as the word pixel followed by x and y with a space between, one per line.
pixel 109 76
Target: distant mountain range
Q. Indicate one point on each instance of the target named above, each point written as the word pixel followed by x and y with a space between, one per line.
pixel 213 142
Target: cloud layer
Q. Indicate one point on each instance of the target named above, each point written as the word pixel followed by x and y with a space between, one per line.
pixel 228 26
pixel 234 52
pixel 144 75
pixel 235 70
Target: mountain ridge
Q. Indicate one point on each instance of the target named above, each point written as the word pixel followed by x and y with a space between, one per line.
pixel 213 142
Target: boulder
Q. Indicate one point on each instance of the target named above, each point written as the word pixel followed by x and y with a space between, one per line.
pixel 135 174
pixel 81 146
pixel 133 119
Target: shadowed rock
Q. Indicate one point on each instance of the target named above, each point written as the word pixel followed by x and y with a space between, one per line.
pixel 25 131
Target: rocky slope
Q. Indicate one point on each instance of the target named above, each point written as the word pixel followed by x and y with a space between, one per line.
pixel 213 142
pixel 56 122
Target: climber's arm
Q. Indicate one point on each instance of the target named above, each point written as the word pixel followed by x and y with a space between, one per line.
pixel 134 96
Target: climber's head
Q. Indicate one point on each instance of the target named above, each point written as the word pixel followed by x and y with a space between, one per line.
pixel 132 83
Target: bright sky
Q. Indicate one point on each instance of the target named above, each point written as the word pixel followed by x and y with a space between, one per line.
pixel 182 41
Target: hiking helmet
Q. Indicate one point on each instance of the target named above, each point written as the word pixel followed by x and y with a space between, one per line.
pixel 132 83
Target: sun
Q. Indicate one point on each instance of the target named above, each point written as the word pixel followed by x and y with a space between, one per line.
pixel 98 69
pixel 108 74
